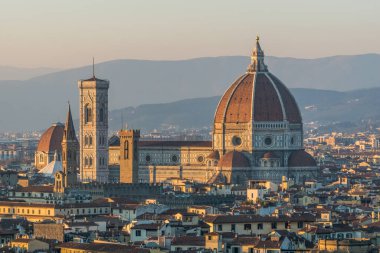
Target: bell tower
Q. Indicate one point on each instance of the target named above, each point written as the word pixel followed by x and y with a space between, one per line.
pixel 93 95
pixel 129 156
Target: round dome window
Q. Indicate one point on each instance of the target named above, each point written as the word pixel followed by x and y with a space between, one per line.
pixel 174 158
pixel 236 141
pixel 147 158
pixel 200 159
pixel 268 141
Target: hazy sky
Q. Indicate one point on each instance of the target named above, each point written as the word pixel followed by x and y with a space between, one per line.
pixel 68 33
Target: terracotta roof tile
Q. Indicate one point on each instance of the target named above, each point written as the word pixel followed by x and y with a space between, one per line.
pixel 269 155
pixel 102 247
pixel 220 219
pixel 36 188
pixel 261 97
pixel 233 159
pixel 214 155
pixel 293 114
pixel 51 139
pixel 239 107
pixel 189 240
pixel 220 111
pixel 175 144
pixel 267 105
pixel 300 158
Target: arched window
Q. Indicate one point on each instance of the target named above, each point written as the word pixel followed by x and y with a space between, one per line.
pixel 86 140
pixel 90 140
pixel 86 161
pixel 126 149
pixel 101 114
pixel 87 114
pixel 102 140
pixel 90 161
pixel 41 158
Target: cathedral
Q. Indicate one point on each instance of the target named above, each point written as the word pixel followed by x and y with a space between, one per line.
pixel 257 134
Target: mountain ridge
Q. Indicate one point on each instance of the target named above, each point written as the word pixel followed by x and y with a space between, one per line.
pixel 324 106
pixel 35 103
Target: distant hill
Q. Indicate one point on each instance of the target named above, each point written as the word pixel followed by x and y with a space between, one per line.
pixel 15 73
pixel 37 102
pixel 316 105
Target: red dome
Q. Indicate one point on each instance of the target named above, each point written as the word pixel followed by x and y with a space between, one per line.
pixel 51 139
pixel 269 155
pixel 214 155
pixel 233 159
pixel 258 97
pixel 300 158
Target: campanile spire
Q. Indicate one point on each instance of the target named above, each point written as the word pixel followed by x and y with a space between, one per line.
pixel 70 148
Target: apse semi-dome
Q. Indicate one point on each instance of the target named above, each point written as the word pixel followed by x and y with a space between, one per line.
pixel 233 159
pixel 269 155
pixel 300 158
pixel 214 155
pixel 51 139
pixel 257 96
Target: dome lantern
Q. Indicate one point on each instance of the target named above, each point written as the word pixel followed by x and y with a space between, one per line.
pixel 257 59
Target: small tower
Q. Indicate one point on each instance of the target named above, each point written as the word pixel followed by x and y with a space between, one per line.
pixel 129 157
pixel 93 95
pixel 70 147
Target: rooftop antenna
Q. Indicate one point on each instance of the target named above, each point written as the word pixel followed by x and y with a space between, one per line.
pixel 93 67
pixel 122 120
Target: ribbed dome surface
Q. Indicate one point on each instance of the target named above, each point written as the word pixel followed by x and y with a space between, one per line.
pixel 259 97
pixel 300 158
pixel 51 139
